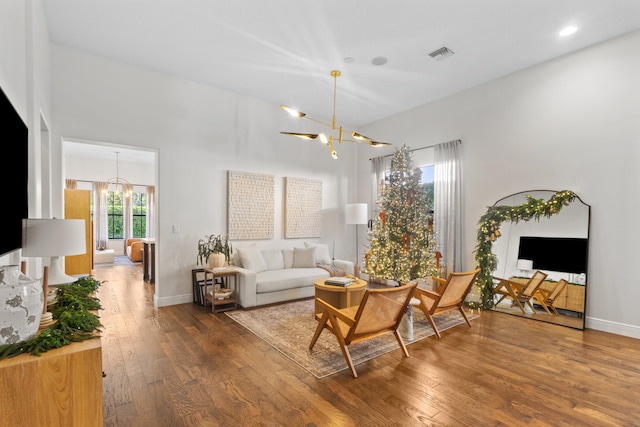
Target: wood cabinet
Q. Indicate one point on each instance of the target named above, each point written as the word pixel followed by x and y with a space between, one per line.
pixel 77 205
pixel 62 387
pixel 571 298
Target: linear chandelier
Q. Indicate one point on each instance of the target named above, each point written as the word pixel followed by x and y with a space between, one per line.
pixel 329 140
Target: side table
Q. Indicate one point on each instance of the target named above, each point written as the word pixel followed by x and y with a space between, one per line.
pixel 230 302
pixel 339 296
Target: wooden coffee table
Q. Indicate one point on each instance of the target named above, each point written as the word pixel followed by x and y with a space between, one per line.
pixel 339 296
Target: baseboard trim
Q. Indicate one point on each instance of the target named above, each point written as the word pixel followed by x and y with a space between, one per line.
pixel 174 300
pixel 613 327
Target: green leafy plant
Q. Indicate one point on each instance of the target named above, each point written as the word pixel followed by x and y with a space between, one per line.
pixel 74 320
pixel 214 244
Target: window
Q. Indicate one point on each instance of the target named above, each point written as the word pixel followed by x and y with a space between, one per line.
pixel 114 215
pixel 427 183
pixel 139 206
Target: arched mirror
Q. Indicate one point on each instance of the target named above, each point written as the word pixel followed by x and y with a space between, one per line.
pixel 557 245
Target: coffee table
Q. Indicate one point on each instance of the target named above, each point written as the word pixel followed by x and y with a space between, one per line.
pixel 339 296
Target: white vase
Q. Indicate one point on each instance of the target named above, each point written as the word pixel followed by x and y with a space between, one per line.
pixel 216 260
pixel 21 303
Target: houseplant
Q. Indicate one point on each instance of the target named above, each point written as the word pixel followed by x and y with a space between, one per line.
pixel 212 245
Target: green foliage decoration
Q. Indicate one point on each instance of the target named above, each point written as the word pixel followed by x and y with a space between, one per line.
pixel 489 232
pixel 74 320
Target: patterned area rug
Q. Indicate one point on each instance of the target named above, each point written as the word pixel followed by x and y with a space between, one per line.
pixel 289 328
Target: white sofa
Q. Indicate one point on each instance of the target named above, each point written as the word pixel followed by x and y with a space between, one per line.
pixel 269 276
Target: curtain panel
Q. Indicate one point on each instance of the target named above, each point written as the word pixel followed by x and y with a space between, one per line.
pixel 101 231
pixel 447 200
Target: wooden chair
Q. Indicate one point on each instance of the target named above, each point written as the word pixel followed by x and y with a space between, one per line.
pixel 547 298
pixel 379 312
pixel 527 291
pixel 450 295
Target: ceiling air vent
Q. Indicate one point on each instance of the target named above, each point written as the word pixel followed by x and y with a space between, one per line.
pixel 442 53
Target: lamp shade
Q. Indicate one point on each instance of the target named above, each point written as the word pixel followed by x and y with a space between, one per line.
pixel 356 213
pixel 524 264
pixel 53 237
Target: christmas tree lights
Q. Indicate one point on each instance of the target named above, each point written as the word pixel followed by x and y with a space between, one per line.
pixel 401 242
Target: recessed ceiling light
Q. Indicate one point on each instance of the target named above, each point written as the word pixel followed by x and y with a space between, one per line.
pixel 348 59
pixel 379 60
pixel 567 31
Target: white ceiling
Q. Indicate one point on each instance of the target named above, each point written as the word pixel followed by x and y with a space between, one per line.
pixel 283 51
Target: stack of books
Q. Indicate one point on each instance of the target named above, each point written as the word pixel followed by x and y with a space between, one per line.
pixel 338 281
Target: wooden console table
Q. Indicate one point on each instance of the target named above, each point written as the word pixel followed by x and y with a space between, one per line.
pixel 571 298
pixel 62 387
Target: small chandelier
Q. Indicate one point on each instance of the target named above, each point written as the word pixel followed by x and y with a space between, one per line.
pixel 329 140
pixel 118 181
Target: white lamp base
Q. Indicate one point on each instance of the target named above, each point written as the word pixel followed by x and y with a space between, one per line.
pixel 57 275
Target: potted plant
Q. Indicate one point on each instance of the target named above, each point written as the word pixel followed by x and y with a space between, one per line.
pixel 212 245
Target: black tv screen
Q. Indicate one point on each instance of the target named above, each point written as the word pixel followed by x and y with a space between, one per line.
pixel 562 254
pixel 14 174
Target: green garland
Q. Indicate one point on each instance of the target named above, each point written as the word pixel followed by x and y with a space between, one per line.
pixel 74 320
pixel 489 231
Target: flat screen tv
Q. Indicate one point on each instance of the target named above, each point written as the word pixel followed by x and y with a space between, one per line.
pixel 562 254
pixel 14 174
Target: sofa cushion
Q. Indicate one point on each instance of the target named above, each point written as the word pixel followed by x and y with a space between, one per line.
pixel 279 280
pixel 304 257
pixel 273 259
pixel 322 252
pixel 287 257
pixel 252 259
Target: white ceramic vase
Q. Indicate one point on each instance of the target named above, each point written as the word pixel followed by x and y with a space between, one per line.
pixel 216 259
pixel 21 303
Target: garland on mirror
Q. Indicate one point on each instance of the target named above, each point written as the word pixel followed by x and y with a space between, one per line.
pixel 75 321
pixel 489 232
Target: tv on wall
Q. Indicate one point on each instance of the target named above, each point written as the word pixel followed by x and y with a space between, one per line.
pixel 562 254
pixel 14 174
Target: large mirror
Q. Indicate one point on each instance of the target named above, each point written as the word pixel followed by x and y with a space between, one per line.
pixel 557 245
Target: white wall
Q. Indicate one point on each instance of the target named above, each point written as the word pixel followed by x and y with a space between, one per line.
pixel 199 133
pixel 24 76
pixel 572 123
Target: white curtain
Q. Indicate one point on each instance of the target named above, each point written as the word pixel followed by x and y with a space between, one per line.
pixel 101 231
pixel 151 215
pixel 377 183
pixel 447 201
pixel 127 214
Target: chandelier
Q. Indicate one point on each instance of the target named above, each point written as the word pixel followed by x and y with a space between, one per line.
pixel 329 140
pixel 119 181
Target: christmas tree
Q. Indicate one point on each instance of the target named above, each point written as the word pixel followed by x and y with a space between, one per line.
pixel 402 243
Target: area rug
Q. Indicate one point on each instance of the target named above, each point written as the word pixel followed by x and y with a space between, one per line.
pixel 289 328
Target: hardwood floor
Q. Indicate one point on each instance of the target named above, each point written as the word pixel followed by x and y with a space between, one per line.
pixel 183 366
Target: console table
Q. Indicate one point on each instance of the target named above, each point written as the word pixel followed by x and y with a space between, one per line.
pixel 62 387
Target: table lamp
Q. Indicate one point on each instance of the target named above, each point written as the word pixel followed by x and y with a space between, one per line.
pixel 356 213
pixel 524 265
pixel 54 238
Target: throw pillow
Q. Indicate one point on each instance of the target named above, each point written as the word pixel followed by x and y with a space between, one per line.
pixel 252 259
pixel 287 256
pixel 322 252
pixel 273 259
pixel 304 257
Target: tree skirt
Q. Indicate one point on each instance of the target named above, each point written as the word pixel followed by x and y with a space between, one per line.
pixel 289 328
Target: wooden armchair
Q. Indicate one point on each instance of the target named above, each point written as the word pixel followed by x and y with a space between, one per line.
pixel 379 312
pixel 527 291
pixel 450 295
pixel 547 298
